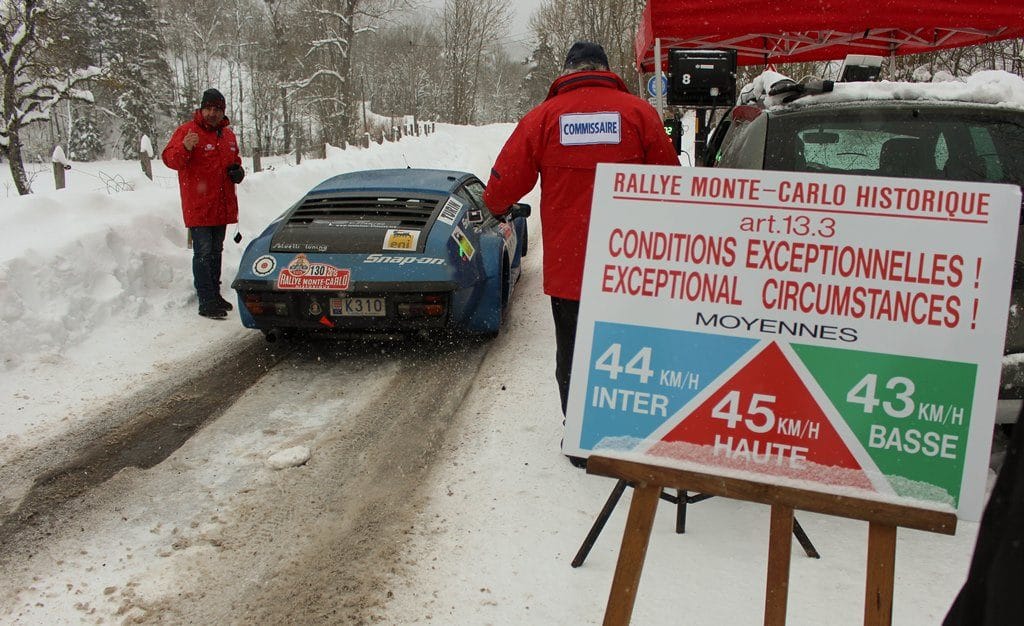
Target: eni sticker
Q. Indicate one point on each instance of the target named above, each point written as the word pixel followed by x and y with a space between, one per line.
pixel 396 239
pixel 264 265
pixel 466 249
pixel 301 274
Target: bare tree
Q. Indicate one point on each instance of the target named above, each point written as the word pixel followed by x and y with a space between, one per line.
pixel 325 84
pixel 997 55
pixel 501 85
pixel 556 24
pixel 400 69
pixel 279 58
pixel 957 62
pixel 195 38
pixel 470 28
pixel 32 83
pixel 245 23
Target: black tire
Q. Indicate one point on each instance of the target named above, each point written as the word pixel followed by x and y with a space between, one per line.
pixel 506 274
pixel 526 241
pixel 506 286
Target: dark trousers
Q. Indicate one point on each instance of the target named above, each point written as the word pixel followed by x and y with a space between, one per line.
pixel 207 245
pixel 566 313
pixel 992 595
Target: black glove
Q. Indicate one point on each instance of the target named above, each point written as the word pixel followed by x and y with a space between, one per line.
pixel 236 173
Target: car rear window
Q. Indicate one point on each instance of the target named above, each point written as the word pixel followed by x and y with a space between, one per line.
pixel 940 143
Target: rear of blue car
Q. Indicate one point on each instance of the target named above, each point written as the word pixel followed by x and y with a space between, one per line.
pixel 381 251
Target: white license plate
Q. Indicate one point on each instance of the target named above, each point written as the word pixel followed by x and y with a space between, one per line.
pixel 358 307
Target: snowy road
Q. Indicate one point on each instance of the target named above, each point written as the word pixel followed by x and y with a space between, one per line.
pixel 376 527
pixel 214 534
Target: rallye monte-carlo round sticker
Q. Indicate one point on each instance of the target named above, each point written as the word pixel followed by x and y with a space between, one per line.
pixel 302 274
pixel 264 265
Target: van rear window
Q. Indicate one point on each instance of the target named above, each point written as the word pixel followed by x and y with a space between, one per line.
pixel 939 143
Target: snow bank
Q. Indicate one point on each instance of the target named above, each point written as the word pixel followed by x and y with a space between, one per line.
pixel 73 261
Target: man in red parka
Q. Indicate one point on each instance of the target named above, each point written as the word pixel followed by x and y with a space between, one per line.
pixel 588 117
pixel 205 153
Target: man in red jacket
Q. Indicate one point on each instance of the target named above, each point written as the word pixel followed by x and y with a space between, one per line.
pixel 588 117
pixel 205 153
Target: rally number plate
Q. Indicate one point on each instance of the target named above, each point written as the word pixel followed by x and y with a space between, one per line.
pixel 358 307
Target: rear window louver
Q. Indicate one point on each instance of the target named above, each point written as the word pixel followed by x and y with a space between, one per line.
pixel 402 212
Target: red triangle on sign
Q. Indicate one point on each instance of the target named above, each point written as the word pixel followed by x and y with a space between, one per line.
pixel 764 419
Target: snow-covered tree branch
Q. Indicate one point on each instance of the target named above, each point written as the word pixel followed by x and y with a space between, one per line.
pixel 32 83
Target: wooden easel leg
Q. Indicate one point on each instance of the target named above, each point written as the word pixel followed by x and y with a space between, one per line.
pixel 805 541
pixel 631 556
pixel 681 511
pixel 881 574
pixel 602 519
pixel 780 546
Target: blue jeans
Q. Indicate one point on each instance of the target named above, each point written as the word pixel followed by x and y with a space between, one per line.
pixel 207 244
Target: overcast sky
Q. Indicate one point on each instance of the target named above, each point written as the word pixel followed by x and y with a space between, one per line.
pixel 521 11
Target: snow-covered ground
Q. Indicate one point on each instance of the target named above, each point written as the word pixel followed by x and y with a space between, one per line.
pixel 96 301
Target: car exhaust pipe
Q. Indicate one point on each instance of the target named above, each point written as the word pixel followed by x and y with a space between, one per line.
pixel 273 335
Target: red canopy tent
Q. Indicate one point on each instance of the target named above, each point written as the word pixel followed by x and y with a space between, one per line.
pixel 773 31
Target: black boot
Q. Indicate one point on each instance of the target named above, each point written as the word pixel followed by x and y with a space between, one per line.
pixel 212 309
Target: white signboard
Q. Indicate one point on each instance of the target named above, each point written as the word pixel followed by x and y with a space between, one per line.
pixel 837 333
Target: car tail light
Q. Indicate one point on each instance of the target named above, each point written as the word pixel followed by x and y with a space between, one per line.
pixel 431 306
pixel 258 305
pixel 254 304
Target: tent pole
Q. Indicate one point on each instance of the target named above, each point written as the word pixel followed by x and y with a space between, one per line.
pixel 659 74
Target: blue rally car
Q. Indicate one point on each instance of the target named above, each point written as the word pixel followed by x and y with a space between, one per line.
pixel 402 250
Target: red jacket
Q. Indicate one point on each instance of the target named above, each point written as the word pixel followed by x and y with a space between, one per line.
pixel 588 118
pixel 207 194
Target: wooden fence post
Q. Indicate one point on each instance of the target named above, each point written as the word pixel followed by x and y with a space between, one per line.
pixel 257 154
pixel 60 163
pixel 146 156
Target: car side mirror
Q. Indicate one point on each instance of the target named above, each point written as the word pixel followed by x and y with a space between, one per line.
pixel 520 209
